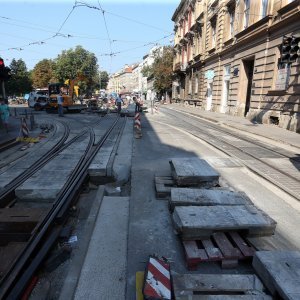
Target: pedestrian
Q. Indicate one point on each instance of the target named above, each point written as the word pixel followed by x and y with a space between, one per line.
pixel 4 113
pixel 119 101
pixel 60 101
pixel 137 104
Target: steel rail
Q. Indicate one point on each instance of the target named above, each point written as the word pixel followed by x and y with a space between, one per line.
pixel 23 269
pixel 209 124
pixel 8 144
pixel 211 139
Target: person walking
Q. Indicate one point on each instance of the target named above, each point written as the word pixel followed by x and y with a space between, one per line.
pixel 119 101
pixel 4 113
pixel 60 101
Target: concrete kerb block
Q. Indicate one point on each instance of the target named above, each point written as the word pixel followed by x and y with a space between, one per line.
pixel 73 275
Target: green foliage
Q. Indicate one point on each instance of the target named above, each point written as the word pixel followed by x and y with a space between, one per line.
pixel 43 73
pixel 103 80
pixel 20 82
pixel 147 71
pixel 163 70
pixel 79 64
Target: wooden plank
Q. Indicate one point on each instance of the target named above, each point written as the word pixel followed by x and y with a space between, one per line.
pixel 166 180
pixel 193 171
pixel 212 252
pixel 193 252
pixel 8 255
pixel 20 220
pixel 228 250
pixel 163 186
pixel 245 248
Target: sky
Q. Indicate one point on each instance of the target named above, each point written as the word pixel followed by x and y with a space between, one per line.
pixel 118 32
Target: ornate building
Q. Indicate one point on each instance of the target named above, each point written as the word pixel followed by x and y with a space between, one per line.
pixel 228 58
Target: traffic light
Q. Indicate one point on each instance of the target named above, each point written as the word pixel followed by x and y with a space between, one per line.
pixel 289 49
pixel 294 48
pixel 6 73
pixel 1 64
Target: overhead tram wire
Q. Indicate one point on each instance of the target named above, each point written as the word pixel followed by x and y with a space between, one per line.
pixel 138 47
pixel 110 41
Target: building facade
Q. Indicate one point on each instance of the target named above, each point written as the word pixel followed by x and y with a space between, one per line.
pixel 228 58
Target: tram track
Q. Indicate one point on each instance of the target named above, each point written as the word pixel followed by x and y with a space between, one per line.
pixel 256 156
pixel 12 284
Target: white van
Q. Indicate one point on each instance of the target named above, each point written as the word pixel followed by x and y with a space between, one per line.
pixel 38 99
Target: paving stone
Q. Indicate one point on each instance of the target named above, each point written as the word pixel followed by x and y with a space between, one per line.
pixel 222 286
pixel 280 272
pixel 193 171
pixel 196 222
pixel 206 197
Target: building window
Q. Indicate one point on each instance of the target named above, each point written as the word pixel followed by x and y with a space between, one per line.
pixel 213 34
pixel 199 42
pixel 264 8
pixel 196 84
pixel 231 23
pixel 246 13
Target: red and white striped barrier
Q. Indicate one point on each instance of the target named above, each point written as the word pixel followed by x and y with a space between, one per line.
pixel 24 128
pixel 157 284
pixel 137 125
pixel 137 121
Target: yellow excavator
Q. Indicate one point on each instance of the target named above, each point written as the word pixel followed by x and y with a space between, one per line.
pixel 67 90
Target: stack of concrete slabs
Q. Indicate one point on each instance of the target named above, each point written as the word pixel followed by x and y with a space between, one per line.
pixel 218 286
pixel 280 272
pixel 206 197
pixel 193 172
pixel 196 222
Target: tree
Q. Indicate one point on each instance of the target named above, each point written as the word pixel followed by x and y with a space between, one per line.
pixel 163 70
pixel 78 64
pixel 20 82
pixel 103 80
pixel 43 73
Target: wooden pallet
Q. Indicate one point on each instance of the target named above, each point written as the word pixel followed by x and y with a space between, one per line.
pixel 163 185
pixel 228 248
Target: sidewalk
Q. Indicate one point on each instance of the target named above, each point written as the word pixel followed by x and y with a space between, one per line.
pixel 272 132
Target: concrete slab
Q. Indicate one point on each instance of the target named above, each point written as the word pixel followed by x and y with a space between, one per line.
pixel 193 171
pixel 122 163
pixel 195 222
pixel 103 275
pixel 280 272
pixel 206 197
pixel 100 164
pixel 187 285
pixel 45 185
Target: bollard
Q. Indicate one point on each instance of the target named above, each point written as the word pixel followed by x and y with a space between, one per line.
pixel 24 128
pixel 26 116
pixel 32 122
pixel 15 109
pixel 137 125
pixel 156 108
